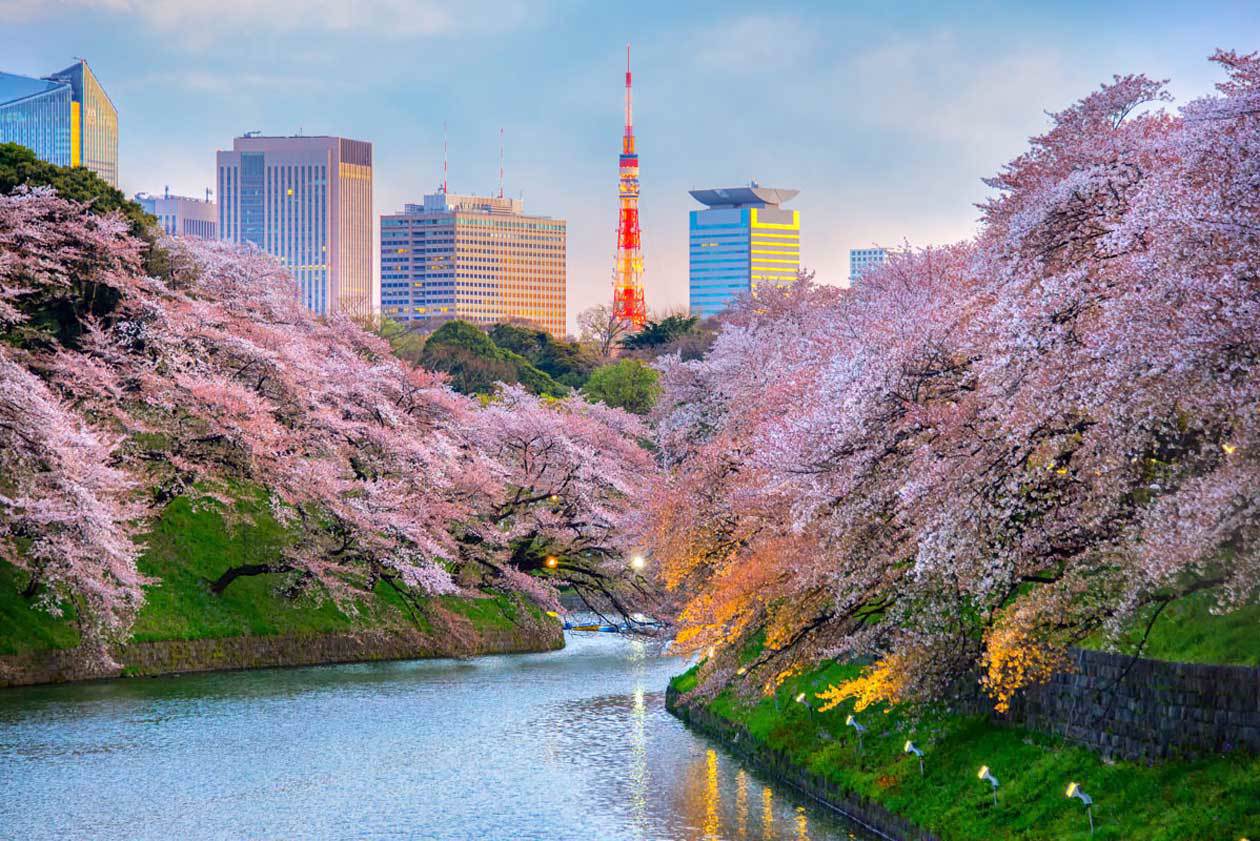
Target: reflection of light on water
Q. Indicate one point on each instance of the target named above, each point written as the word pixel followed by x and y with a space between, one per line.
pixel 711 796
pixel 741 803
pixel 767 813
pixel 638 760
pixel 802 824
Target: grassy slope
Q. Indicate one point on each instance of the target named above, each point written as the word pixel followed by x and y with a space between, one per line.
pixel 1215 798
pixel 1188 632
pixel 190 546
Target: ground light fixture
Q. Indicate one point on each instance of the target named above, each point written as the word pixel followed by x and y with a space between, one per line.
pixel 1074 790
pixel 858 728
pixel 985 775
pixel 910 748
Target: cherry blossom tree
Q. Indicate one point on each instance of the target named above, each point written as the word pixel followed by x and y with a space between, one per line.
pixel 212 375
pixel 984 453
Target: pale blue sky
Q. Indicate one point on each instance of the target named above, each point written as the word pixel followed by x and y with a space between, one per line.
pixel 885 116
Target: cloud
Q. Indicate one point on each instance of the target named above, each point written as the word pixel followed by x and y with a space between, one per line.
pixel 935 87
pixel 753 44
pixel 395 18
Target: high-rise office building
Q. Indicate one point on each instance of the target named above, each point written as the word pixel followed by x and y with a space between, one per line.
pixel 308 201
pixel 478 258
pixel 743 241
pixel 65 118
pixel 862 260
pixel 181 216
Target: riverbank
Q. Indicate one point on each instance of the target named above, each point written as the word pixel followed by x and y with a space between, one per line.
pixel 1209 799
pixel 258 621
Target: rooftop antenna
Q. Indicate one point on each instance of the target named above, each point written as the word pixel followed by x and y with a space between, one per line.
pixel 209 193
pixel 500 161
pixel 444 157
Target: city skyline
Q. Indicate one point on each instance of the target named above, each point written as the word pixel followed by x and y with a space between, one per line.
pixel 890 120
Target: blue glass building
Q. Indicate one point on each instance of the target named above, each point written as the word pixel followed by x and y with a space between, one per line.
pixel 742 241
pixel 66 119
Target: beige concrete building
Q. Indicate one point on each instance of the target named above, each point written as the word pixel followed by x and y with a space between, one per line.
pixel 307 200
pixel 478 258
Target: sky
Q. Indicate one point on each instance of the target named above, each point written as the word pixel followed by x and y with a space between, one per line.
pixel 886 116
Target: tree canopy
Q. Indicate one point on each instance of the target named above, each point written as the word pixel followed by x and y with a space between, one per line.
pixel 475 364
pixel 625 384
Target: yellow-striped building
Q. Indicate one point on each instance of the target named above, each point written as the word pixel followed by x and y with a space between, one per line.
pixel 743 241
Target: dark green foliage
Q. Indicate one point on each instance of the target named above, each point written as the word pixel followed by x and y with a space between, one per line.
pixel 625 384
pixel 19 166
pixel 656 334
pixel 565 362
pixel 475 363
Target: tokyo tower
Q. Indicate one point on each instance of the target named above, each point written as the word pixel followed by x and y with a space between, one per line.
pixel 628 305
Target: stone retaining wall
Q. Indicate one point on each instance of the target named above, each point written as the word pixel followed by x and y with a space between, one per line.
pixel 202 655
pixel 1145 709
pixel 871 816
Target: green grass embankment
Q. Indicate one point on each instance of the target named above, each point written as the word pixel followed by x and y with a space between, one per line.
pixel 1211 799
pixel 190 545
pixel 1188 631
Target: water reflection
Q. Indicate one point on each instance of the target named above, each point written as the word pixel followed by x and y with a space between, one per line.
pixel 567 745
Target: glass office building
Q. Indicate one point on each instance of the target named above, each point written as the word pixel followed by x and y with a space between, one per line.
pixel 743 241
pixel 477 258
pixel 308 201
pixel 66 119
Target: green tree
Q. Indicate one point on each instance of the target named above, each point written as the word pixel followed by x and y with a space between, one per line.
pixel 566 362
pixel 656 334
pixel 626 384
pixel 475 363
pixel 19 166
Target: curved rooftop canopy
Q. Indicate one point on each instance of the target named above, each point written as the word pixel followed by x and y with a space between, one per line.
pixel 754 195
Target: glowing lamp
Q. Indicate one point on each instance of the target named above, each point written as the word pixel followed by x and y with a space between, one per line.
pixel 985 775
pixel 1074 790
pixel 552 562
pixel 910 748
pixel 637 562
pixel 800 699
pixel 740 670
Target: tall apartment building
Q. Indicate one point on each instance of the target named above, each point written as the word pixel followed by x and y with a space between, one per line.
pixel 308 201
pixel 478 258
pixel 181 216
pixel 743 241
pixel 862 260
pixel 65 118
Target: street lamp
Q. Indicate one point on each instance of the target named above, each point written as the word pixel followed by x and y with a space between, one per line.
pixel 853 722
pixel 1074 790
pixel 637 562
pixel 910 748
pixel 552 562
pixel 985 775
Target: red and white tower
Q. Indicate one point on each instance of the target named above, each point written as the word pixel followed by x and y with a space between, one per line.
pixel 628 304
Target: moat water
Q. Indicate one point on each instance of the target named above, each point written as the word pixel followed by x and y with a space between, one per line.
pixel 573 744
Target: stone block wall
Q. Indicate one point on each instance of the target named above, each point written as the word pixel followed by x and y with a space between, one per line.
pixel 1146 709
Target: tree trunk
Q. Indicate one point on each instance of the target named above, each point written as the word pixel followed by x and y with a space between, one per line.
pixel 232 573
